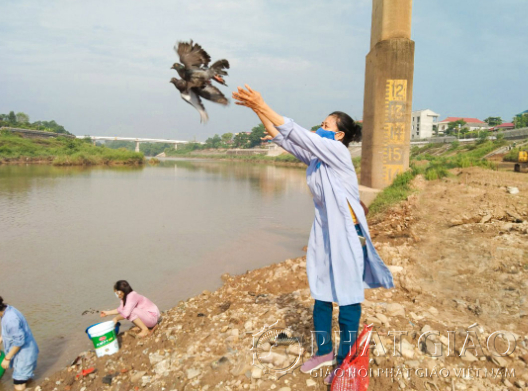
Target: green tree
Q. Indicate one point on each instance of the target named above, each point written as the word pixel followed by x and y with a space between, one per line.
pixel 50 126
pixel 22 118
pixel 315 127
pixel 493 121
pixel 11 117
pixel 241 140
pixel 521 121
pixel 455 127
pixel 256 135
pixel 213 142
pixel 227 137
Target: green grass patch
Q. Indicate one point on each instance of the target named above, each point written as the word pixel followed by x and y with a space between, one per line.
pixel 63 151
pixel 434 168
pixel 416 151
pixel 454 145
pixel 397 192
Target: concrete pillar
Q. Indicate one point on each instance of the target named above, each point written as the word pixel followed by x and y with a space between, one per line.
pixel 175 146
pixel 137 146
pixel 388 94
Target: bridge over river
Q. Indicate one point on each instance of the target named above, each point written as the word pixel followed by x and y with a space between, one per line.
pixel 138 140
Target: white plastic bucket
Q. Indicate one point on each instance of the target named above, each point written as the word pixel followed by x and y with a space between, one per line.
pixel 104 338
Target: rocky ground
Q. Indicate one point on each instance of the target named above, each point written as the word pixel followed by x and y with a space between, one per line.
pixel 458 249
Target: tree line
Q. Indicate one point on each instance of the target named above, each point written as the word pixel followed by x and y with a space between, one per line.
pixel 21 120
pixel 240 140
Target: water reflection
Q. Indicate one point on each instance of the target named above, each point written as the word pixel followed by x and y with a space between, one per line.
pixel 16 179
pixel 268 179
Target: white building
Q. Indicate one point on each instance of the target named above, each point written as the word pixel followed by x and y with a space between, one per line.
pixel 422 123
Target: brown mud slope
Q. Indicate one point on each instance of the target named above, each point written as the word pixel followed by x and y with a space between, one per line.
pixel 458 249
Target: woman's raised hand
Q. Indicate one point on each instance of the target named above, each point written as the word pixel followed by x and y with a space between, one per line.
pixel 248 98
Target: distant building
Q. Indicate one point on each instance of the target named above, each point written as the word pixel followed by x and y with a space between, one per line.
pixel 422 123
pixel 504 126
pixel 471 123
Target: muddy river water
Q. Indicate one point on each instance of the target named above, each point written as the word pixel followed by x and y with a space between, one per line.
pixel 67 234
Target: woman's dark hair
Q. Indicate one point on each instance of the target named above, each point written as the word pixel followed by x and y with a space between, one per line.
pixel 124 287
pixel 3 305
pixel 348 126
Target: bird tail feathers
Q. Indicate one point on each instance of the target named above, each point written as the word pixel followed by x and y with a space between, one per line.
pixel 219 67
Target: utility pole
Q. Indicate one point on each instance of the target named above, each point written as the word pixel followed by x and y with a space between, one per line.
pixel 388 94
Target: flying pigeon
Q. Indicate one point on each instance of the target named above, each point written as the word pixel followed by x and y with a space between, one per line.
pixel 196 77
pixel 192 95
pixel 195 62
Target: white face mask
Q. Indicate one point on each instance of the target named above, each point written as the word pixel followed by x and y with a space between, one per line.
pixel 117 295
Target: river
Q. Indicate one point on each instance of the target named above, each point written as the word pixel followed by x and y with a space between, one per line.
pixel 67 234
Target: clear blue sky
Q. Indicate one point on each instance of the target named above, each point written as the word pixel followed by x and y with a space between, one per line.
pixel 102 67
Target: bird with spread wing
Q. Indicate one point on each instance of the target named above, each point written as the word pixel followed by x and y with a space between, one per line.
pixel 196 77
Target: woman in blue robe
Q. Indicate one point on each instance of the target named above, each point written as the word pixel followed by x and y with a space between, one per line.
pixel 341 259
pixel 21 350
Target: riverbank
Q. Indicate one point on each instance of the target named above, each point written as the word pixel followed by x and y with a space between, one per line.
pixel 61 151
pixel 205 342
pixel 286 159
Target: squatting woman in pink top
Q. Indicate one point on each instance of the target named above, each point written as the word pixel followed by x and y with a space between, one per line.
pixel 135 308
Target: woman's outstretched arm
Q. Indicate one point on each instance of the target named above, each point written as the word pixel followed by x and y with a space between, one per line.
pixel 325 149
pixel 267 124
